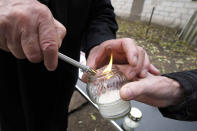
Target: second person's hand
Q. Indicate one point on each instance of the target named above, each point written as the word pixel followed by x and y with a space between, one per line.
pixel 153 90
pixel 131 59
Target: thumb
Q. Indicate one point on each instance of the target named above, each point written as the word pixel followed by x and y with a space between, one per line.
pixel 131 90
pixel 61 31
pixel 48 42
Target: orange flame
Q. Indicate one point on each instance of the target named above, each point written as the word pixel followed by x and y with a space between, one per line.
pixel 109 67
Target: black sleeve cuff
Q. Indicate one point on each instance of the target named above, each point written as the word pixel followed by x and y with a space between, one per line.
pixel 187 110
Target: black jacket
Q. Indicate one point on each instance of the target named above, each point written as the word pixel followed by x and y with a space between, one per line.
pixel 34 99
pixel 187 110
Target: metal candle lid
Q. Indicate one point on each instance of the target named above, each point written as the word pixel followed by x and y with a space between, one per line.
pixel 135 114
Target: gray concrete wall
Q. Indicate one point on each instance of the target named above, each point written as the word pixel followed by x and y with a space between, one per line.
pixel 122 7
pixel 172 13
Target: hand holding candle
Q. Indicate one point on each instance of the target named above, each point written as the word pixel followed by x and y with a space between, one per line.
pixel 153 90
pixel 131 59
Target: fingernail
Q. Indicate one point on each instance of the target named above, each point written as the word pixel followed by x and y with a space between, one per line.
pixel 51 57
pixel 126 93
pixel 144 73
pixel 155 69
pixel 135 60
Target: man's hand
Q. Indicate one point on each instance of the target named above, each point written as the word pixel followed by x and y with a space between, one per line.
pixel 157 91
pixel 28 30
pixel 131 59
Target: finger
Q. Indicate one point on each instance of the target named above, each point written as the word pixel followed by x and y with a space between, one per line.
pixel 3 42
pixel 131 51
pixel 12 39
pixel 91 58
pixel 98 57
pixel 30 45
pixel 13 42
pixel 16 49
pixel 29 40
pixel 3 46
pixel 123 50
pixel 131 72
pixel 48 40
pixel 154 70
pixel 128 71
pixel 140 62
pixel 132 90
pixel 61 31
pixel 84 77
pixel 104 57
pixel 146 65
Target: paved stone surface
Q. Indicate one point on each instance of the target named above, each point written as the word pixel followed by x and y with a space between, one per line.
pixel 86 118
pixel 76 101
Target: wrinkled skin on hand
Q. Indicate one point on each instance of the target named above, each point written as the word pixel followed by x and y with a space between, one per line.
pixel 28 30
pixel 131 59
pixel 157 91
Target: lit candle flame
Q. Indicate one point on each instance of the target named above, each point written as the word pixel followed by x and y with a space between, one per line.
pixel 109 66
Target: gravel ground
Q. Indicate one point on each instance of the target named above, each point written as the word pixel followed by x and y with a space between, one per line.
pixel 166 51
pixel 84 117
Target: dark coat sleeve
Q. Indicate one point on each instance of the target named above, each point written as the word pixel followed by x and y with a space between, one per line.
pixel 187 110
pixel 102 25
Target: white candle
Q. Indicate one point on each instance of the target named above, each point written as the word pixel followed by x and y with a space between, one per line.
pixel 112 106
pixel 109 97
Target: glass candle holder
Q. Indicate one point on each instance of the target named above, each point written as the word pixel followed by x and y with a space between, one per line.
pixel 103 90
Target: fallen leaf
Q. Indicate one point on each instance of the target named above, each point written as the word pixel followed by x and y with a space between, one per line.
pixel 92 116
pixel 80 122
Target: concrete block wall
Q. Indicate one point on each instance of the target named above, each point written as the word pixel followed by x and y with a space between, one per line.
pixel 122 7
pixel 172 13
